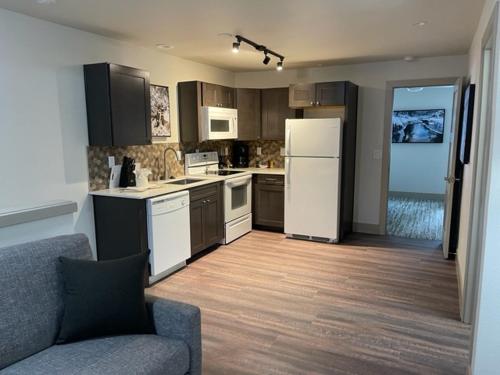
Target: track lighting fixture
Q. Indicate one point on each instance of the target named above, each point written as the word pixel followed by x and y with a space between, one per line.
pixel 266 59
pixel 236 47
pixel 261 48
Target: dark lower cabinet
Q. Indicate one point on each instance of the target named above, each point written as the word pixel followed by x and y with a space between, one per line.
pixel 207 216
pixel 269 202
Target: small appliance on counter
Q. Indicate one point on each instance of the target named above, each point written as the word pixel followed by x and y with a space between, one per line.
pixel 240 155
pixel 127 176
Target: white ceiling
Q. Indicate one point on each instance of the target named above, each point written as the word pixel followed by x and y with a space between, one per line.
pixel 306 32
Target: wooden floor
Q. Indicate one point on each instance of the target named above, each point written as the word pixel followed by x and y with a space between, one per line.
pixel 372 305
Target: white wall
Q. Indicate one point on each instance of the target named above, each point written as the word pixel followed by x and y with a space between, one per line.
pixel 421 167
pixel 43 125
pixel 486 327
pixel 372 78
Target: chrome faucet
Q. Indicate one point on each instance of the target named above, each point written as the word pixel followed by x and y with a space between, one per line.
pixel 167 171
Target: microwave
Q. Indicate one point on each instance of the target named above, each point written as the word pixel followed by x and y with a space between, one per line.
pixel 218 123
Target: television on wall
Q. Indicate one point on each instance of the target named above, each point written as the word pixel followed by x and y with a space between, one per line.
pixel 418 126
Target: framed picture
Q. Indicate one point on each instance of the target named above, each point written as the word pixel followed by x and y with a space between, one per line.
pixel 418 126
pixel 467 117
pixel 160 111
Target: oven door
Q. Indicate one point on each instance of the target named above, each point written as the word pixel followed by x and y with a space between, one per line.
pixel 237 197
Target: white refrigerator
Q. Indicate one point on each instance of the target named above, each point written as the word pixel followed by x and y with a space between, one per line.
pixel 313 149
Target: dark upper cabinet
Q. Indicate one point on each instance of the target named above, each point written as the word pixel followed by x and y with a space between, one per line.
pixel 302 95
pixel 330 93
pixel 317 94
pixel 206 216
pixel 249 114
pixel 275 111
pixel 217 96
pixel 269 202
pixel 118 105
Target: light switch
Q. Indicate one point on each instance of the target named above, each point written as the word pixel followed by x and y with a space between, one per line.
pixel 377 154
pixel 259 151
pixel 282 151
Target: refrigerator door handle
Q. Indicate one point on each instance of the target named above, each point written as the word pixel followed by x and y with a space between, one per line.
pixel 287 171
pixel 288 142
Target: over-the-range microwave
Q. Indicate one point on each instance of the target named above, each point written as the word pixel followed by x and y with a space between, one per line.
pixel 218 123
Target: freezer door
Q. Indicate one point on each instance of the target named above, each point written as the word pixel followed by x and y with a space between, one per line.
pixel 313 137
pixel 312 187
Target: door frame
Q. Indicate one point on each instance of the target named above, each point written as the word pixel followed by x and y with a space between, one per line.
pixel 386 143
pixel 480 175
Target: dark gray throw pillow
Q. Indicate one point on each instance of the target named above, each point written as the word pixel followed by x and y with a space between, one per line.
pixel 103 298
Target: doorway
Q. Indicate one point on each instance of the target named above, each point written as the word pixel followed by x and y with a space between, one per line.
pixel 419 159
pixel 421 125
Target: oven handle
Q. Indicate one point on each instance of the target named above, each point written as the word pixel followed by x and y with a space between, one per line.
pixel 234 182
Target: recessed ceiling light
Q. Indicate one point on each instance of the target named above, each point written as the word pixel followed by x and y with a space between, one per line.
pixel 420 23
pixel 164 46
pixel 43 2
pixel 409 58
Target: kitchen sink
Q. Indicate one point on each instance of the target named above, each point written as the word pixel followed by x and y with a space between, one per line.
pixel 184 181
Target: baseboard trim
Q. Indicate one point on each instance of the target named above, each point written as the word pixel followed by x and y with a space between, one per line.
pixel 367 228
pixel 409 194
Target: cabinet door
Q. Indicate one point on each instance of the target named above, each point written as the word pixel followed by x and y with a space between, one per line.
pixel 225 97
pixel 196 218
pixel 130 106
pixel 302 95
pixel 211 229
pixel 330 93
pixel 209 94
pixel 275 111
pixel 269 206
pixel 249 118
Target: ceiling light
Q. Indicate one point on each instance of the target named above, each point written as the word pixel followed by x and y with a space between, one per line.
pixel 44 2
pixel 236 47
pixel 420 23
pixel 260 48
pixel 415 89
pixel 266 59
pixel 164 46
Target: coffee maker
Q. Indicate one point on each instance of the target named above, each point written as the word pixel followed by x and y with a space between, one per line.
pixel 240 155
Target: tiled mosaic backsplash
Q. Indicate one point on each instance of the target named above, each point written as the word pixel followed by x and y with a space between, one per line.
pixel 151 156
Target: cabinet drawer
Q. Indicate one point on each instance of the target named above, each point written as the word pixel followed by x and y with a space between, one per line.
pixel 270 179
pixel 204 191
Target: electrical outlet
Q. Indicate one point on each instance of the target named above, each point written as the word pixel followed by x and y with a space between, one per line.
pixel 111 161
pixel 282 151
pixel 226 151
pixel 259 151
pixel 377 154
pixel 179 154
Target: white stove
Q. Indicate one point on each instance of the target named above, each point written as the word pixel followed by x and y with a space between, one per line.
pixel 237 192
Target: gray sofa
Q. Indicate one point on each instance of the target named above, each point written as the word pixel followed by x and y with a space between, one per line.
pixel 31 308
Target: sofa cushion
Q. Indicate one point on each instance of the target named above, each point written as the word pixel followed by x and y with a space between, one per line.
pixel 134 354
pixel 31 294
pixel 104 298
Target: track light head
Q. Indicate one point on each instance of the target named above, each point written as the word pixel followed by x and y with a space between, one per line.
pixel 236 47
pixel 279 66
pixel 266 59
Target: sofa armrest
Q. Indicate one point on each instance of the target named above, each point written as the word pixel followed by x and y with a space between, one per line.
pixel 178 321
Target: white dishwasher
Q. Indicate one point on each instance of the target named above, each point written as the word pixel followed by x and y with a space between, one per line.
pixel 169 237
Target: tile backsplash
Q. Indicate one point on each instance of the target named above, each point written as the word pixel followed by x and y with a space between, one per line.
pixel 151 156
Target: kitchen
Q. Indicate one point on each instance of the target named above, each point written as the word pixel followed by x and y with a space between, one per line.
pixel 224 188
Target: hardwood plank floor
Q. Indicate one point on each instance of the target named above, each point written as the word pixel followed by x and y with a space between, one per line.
pixel 372 305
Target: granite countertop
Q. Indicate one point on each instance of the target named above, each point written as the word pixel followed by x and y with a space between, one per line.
pixel 163 187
